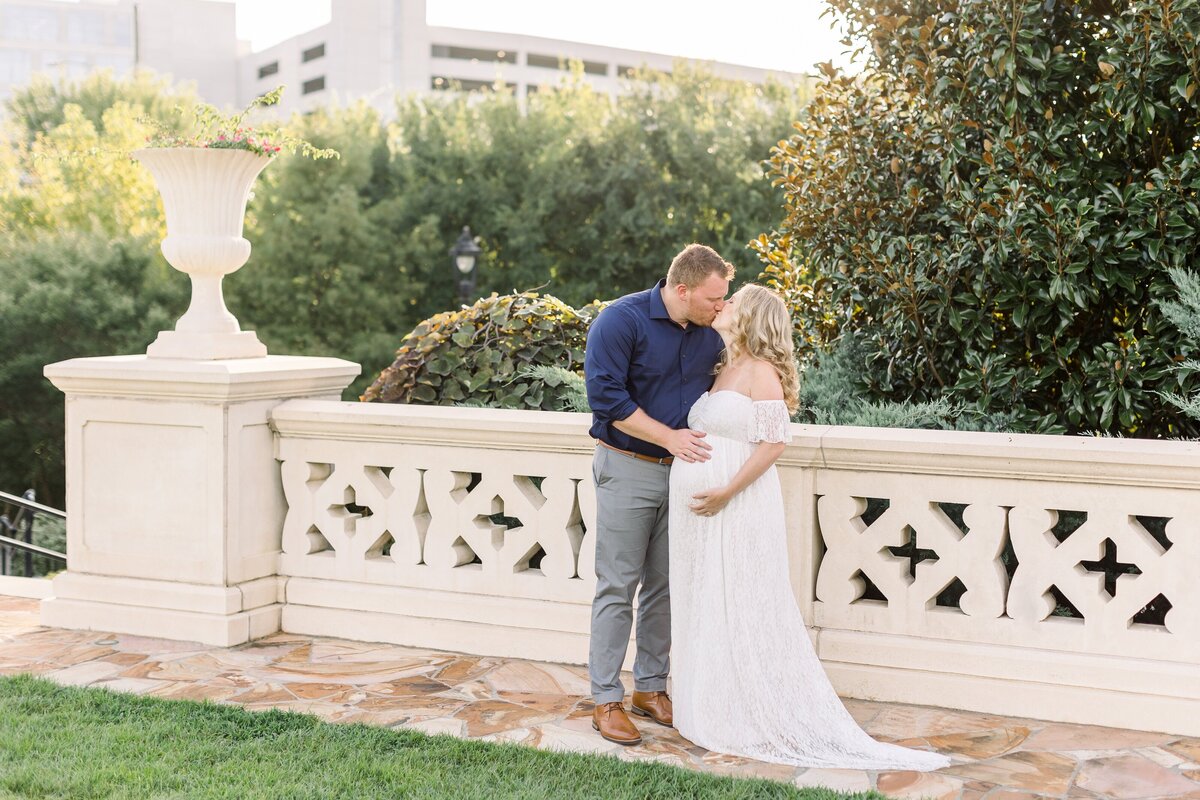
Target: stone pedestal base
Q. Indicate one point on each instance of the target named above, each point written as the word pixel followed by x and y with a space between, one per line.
pixel 216 615
pixel 206 346
pixel 174 501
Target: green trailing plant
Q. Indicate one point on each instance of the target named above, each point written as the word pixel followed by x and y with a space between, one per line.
pixel 489 354
pixel 993 205
pixel 205 126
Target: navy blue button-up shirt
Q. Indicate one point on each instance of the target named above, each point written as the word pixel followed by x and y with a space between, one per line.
pixel 638 357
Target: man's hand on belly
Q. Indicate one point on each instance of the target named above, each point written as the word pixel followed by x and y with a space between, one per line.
pixel 683 443
pixel 688 445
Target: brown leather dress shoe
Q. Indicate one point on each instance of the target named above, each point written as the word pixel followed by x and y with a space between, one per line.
pixel 614 725
pixel 655 705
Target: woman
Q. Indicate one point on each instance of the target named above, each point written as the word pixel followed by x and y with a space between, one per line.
pixel 746 678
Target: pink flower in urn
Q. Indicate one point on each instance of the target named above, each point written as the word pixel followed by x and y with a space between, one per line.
pixel 217 131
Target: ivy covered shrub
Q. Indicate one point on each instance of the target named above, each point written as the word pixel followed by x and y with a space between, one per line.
pixel 993 206
pixel 493 353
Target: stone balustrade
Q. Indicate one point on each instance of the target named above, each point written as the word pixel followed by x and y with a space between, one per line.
pixel 218 501
pixel 1053 577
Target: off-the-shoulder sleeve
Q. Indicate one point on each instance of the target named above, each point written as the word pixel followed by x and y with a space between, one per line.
pixel 769 422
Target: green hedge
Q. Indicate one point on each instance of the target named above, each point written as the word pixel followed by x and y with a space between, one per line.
pixel 61 297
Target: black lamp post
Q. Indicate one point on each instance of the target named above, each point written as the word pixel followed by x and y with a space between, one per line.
pixel 465 256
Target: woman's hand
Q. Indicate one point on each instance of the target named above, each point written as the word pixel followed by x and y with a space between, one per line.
pixel 710 501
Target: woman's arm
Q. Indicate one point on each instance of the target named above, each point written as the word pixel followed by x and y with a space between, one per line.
pixel 765 386
pixel 710 501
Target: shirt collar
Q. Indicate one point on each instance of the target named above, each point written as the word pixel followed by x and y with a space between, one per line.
pixel 658 309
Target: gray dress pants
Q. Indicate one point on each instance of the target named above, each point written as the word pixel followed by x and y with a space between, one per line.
pixel 631 548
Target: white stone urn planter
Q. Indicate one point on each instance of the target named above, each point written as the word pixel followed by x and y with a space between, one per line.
pixel 204 193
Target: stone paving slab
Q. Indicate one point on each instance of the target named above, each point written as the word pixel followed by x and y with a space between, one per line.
pixel 545 706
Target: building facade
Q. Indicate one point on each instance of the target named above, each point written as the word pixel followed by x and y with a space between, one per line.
pixel 189 40
pixel 370 49
pixel 374 49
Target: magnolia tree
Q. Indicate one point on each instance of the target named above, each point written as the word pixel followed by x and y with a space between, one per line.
pixel 988 213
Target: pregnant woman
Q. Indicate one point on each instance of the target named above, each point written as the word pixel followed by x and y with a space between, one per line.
pixel 747 680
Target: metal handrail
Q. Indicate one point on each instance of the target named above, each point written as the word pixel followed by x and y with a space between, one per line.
pixel 31 548
pixel 22 522
pixel 26 503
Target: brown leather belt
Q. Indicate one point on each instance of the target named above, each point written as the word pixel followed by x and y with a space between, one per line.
pixel 640 456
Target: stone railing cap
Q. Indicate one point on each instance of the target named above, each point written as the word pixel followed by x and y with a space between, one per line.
pixel 956 453
pixel 238 378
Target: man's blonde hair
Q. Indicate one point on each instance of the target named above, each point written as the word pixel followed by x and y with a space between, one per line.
pixel 694 263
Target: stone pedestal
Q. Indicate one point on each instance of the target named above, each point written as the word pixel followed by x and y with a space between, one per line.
pixel 174 500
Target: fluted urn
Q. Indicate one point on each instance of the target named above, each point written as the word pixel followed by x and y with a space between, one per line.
pixel 204 193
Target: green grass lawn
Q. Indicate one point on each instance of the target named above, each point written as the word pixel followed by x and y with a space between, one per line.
pixel 63 742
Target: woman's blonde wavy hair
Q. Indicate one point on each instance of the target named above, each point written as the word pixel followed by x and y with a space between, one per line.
pixel 761 328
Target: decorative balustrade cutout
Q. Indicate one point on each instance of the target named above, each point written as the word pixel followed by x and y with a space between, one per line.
pixel 350 519
pixel 1107 576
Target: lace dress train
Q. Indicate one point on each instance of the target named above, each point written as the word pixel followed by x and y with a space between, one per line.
pixel 746 679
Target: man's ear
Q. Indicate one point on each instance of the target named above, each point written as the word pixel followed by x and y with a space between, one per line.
pixel 681 291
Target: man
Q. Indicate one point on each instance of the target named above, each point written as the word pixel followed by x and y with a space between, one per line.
pixel 650 356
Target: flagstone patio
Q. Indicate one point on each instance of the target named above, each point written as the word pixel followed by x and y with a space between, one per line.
pixel 545 705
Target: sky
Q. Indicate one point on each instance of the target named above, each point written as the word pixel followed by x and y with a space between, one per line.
pixel 773 34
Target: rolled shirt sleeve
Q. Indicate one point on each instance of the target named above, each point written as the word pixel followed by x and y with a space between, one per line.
pixel 610 345
pixel 637 357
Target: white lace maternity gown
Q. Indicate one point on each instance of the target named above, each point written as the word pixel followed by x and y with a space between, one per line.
pixel 746 679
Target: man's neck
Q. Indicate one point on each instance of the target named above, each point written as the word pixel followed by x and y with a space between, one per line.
pixel 676 312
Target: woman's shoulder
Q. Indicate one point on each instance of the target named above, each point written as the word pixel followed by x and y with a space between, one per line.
pixel 764 380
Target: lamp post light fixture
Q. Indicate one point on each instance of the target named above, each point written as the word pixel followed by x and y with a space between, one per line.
pixel 465 257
